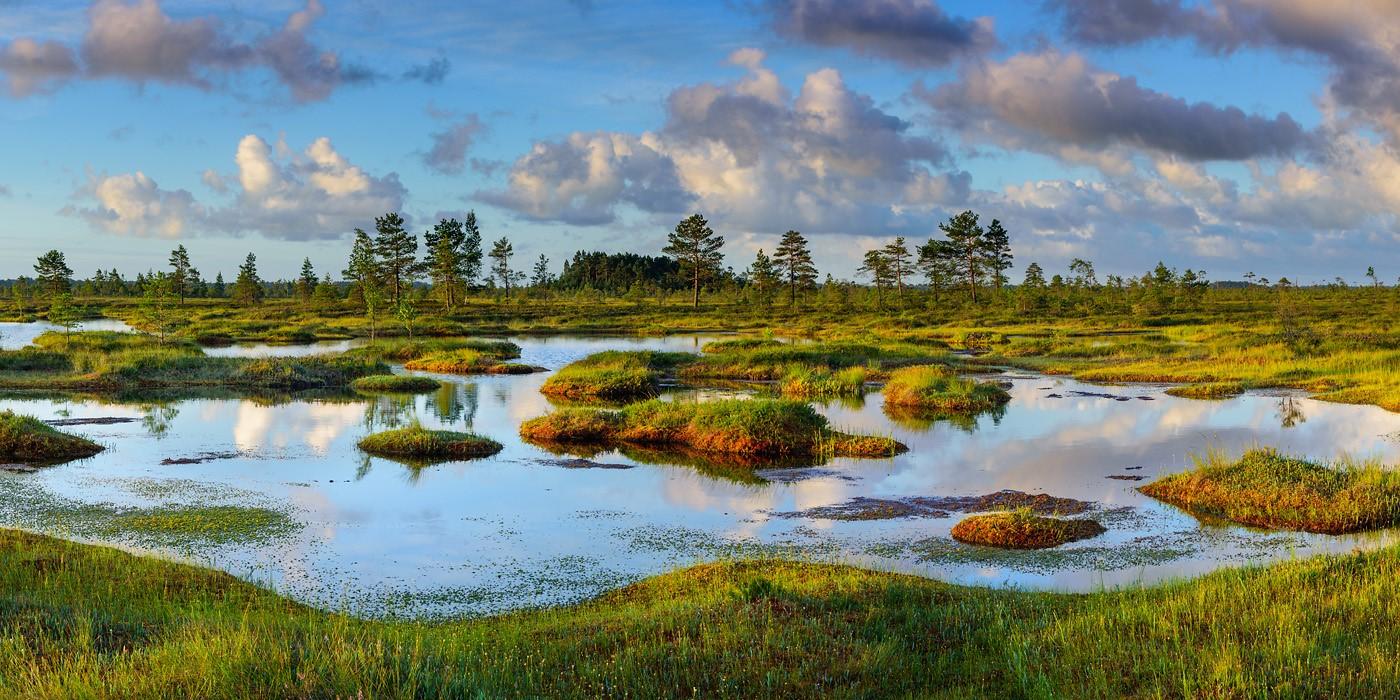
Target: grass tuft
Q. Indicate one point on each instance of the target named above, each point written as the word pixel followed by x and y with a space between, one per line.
pixel 395 384
pixel 934 387
pixel 1022 529
pixel 419 443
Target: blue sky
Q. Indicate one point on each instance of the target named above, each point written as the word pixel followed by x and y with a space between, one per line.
pixel 1229 135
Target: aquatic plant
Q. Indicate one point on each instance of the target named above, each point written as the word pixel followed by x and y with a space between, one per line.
pixel 29 440
pixel 1266 489
pixel 1022 529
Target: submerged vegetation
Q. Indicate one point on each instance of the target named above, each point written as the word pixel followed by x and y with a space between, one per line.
pixel 419 443
pixel 1266 489
pixel 28 440
pixel 1022 529
pixel 756 427
pixel 80 620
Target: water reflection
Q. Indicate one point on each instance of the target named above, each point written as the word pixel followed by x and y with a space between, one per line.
pixel 491 530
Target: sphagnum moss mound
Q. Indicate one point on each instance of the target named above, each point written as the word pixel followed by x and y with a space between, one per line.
pixel 1021 529
pixel 29 440
pixel 759 427
pixel 419 443
pixel 1266 489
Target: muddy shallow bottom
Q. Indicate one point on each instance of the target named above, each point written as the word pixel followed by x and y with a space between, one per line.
pixel 527 527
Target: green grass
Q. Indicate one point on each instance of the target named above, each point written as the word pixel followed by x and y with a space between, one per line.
pixel 84 621
pixel 815 383
pixel 735 426
pixel 1021 529
pixel 740 345
pixel 1213 391
pixel 405 350
pixel 28 440
pixel 466 361
pixel 613 375
pixel 1266 489
pixel 419 443
pixel 933 387
pixel 768 362
pixel 395 384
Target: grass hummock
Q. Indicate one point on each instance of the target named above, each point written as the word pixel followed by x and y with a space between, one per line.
pixel 1208 391
pixel 395 384
pixel 1022 529
pixel 935 387
pixel 419 443
pixel 613 375
pixel 1266 489
pixel 29 440
pixel 734 426
pixel 467 361
pixel 820 382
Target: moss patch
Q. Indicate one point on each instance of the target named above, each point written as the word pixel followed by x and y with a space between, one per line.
pixel 1022 529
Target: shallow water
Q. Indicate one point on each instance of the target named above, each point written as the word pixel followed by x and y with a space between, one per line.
pixel 17 335
pixel 517 529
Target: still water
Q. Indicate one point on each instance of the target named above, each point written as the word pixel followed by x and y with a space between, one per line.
pixel 520 529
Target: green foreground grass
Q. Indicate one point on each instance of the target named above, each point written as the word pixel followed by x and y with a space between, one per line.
pixel 28 440
pixel 1266 489
pixel 85 621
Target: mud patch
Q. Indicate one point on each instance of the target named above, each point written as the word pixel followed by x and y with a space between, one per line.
pixel 864 508
pixel 581 463
pixel 200 458
pixel 60 422
pixel 796 474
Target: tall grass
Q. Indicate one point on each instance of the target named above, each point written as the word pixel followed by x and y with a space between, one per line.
pixel 613 375
pixel 936 388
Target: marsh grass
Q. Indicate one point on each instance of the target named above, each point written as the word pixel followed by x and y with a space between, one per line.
pixel 28 440
pixel 418 443
pixel 1266 489
pixel 936 388
pixel 84 621
pixel 613 375
pixel 395 384
pixel 1214 391
pixel 1022 529
pixel 734 426
pixel 813 382
pixel 764 362
pixel 466 361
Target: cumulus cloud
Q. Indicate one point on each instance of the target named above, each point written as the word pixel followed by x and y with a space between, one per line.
pixel 748 153
pixel 136 40
pixel 1357 39
pixel 912 32
pixel 448 154
pixel 1056 101
pixel 133 204
pixel 276 192
pixel 31 66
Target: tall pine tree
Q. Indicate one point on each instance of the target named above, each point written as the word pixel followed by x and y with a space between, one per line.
pixel 397 253
pixel 964 247
pixel 696 247
pixel 248 289
pixel 793 260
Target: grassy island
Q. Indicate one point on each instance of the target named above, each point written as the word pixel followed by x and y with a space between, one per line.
pixel 419 443
pixel 933 387
pixel 613 375
pixel 1021 529
pixel 395 384
pixel 756 427
pixel 28 440
pixel 1266 489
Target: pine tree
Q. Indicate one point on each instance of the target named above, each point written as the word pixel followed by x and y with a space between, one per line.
pixel 540 276
pixel 156 296
pixel 361 270
pixel 696 247
pixel 396 251
pixel 938 265
pixel 219 289
pixel 248 289
pixel 877 267
pixel 325 295
pixel 443 250
pixel 996 252
pixel 501 252
pixel 55 277
pixel 793 260
pixel 471 250
pixel 306 283
pixel 763 275
pixel 897 256
pixel 964 246
pixel 182 272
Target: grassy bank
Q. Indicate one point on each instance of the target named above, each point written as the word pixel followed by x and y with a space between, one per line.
pixel 28 440
pixel 614 375
pixel 78 620
pixel 1266 489
pixel 757 427
pixel 936 388
pixel 111 362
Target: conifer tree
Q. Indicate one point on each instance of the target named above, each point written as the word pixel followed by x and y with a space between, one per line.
pixel 696 247
pixel 793 260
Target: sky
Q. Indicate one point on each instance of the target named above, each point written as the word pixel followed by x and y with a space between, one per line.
pixel 1232 136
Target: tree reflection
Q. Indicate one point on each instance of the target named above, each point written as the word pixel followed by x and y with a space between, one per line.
pixel 1290 412
pixel 157 418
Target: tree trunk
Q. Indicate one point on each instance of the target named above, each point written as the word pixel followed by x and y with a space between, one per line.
pixel 695 295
